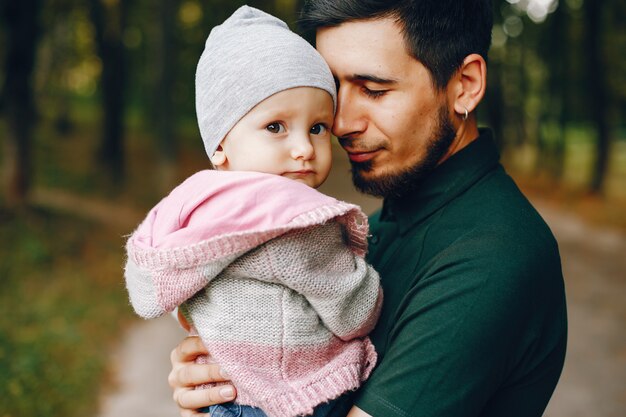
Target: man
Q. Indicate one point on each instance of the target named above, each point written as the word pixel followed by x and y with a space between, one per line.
pixel 474 318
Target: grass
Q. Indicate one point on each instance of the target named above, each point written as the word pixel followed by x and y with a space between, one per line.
pixel 63 304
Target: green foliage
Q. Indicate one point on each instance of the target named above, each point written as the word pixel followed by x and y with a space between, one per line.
pixel 62 303
pixel 549 84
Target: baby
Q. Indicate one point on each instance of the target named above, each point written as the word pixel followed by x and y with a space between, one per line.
pixel 268 271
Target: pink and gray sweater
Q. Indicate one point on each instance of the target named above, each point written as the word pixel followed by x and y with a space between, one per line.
pixel 272 275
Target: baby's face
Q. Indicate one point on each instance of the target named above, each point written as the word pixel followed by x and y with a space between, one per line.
pixel 287 134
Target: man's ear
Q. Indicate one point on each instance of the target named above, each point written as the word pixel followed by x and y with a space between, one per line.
pixel 219 157
pixel 470 83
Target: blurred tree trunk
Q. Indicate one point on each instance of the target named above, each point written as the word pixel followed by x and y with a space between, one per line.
pixel 21 20
pixel 553 46
pixel 562 87
pixel 562 91
pixel 109 19
pixel 514 84
pixel 164 103
pixel 598 94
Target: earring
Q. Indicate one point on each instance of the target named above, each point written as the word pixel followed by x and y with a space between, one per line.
pixel 466 114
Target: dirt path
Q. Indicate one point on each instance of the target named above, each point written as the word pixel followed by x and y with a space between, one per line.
pixel 594 265
pixel 141 388
pixel 594 379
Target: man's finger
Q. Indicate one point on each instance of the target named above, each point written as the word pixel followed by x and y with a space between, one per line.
pixel 194 399
pixel 188 350
pixel 193 374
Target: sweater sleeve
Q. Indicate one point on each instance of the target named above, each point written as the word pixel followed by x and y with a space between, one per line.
pixel 142 291
pixel 155 289
pixel 342 288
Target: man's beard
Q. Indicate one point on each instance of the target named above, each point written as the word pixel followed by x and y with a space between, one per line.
pixel 402 183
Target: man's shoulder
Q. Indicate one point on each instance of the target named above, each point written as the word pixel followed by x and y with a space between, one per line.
pixel 495 206
pixel 495 225
pixel 491 229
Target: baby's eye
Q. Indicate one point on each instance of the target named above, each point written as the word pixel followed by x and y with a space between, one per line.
pixel 275 127
pixel 318 129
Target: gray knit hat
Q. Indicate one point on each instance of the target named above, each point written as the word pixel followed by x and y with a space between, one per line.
pixel 246 59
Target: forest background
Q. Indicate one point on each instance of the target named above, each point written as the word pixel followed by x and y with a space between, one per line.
pixel 97 122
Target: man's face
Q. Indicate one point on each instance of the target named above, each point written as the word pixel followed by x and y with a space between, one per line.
pixel 392 122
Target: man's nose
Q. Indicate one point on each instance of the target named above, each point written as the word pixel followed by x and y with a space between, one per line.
pixel 349 120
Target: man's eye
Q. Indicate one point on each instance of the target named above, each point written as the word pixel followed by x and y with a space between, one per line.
pixel 319 129
pixel 275 128
pixel 373 93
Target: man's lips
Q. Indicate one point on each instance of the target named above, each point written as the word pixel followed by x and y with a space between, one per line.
pixel 361 156
pixel 351 146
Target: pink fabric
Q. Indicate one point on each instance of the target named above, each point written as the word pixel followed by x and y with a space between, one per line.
pixel 214 215
pixel 268 227
pixel 303 376
pixel 238 203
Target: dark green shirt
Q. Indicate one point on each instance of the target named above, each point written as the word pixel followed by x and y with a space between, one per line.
pixel 474 317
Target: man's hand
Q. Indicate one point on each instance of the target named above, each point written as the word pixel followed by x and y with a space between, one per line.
pixel 357 412
pixel 186 374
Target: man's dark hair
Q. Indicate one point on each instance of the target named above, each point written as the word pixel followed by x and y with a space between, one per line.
pixel 438 33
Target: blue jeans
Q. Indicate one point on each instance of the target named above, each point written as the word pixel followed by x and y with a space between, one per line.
pixel 233 410
pixel 237 410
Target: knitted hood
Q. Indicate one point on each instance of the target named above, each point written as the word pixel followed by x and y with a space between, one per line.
pixel 215 216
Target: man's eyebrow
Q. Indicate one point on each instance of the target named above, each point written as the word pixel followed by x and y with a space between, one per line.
pixel 372 78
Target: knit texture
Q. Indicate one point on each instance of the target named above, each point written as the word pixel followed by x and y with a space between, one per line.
pixel 271 274
pixel 246 59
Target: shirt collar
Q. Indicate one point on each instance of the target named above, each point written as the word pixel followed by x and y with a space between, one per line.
pixel 444 183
